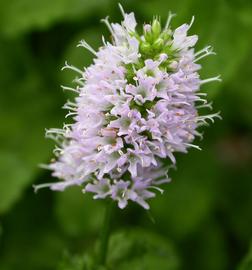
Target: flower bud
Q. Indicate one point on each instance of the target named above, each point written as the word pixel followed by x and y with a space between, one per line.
pixel 156 28
pixel 147 28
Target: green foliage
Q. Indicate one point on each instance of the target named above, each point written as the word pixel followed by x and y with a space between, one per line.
pixel 141 250
pixel 77 213
pixel 190 198
pixel 18 17
pixel 77 262
pixel 204 213
pixel 27 107
pixel 247 262
pixel 136 249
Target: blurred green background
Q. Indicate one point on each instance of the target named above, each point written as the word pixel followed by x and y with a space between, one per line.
pixel 204 219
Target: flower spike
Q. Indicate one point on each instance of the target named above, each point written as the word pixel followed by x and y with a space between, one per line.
pixel 137 105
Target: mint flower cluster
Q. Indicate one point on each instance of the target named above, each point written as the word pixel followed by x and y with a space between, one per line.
pixel 136 105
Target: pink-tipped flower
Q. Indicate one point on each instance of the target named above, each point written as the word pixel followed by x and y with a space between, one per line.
pixel 137 105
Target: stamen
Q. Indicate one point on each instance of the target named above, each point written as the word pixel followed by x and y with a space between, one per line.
pixel 203 50
pixel 84 44
pixel 191 23
pixel 201 94
pixel 79 81
pixel 170 16
pixel 207 51
pixel 121 9
pixel 70 114
pixel 204 101
pixel 70 106
pixel 37 187
pixel 72 68
pixel 193 146
pixel 58 151
pixel 75 90
pixel 107 23
pixel 158 189
pixel 210 117
pixel 162 181
pixel 105 43
pixel 44 166
pixel 217 78
pixel 208 105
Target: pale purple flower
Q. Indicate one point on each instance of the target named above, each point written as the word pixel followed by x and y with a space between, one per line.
pixel 136 105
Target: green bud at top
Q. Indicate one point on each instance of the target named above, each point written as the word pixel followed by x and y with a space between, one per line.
pixel 156 28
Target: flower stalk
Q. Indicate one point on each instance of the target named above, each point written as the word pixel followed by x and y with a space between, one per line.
pixel 105 233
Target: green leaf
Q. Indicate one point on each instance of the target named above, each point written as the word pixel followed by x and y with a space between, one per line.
pixel 247 262
pixel 239 93
pixel 190 198
pixel 141 250
pixel 76 262
pixel 27 105
pixel 16 175
pixel 134 249
pixel 30 229
pixel 18 17
pixel 78 213
pixel 208 242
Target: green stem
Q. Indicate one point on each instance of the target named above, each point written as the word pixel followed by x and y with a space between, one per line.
pixel 105 233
